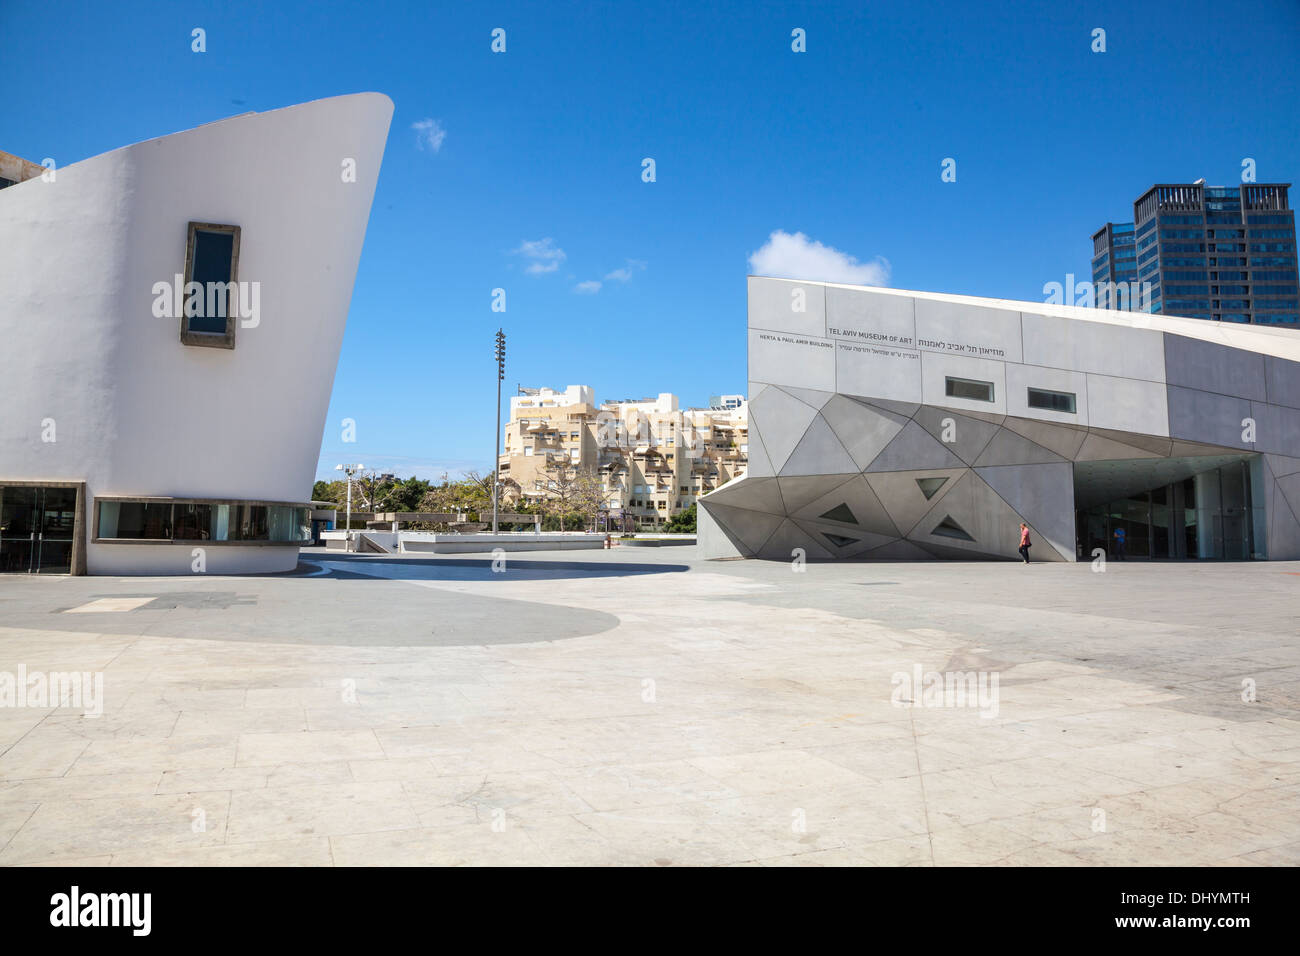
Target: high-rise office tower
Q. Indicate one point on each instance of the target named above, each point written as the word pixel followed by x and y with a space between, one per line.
pixel 1225 253
pixel 1114 265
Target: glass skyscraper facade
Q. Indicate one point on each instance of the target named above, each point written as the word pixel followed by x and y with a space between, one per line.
pixel 1114 264
pixel 1224 253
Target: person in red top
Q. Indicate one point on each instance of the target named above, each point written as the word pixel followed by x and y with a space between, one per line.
pixel 1025 543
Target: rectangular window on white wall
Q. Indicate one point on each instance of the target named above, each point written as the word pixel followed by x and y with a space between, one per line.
pixel 968 388
pixel 211 261
pixel 1052 401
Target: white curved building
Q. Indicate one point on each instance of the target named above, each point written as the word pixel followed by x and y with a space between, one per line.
pixel 134 438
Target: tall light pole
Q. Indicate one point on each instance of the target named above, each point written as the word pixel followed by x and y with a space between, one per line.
pixel 496 435
pixel 349 470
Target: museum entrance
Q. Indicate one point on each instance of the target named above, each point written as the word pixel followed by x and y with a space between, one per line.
pixel 38 528
pixel 1207 514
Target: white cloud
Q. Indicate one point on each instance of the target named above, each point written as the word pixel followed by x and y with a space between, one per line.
pixel 590 287
pixel 625 274
pixel 429 134
pixel 543 254
pixel 786 256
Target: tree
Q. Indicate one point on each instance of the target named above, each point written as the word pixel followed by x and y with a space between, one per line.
pixel 683 522
pixel 570 489
pixel 334 491
pixel 408 494
pixel 374 490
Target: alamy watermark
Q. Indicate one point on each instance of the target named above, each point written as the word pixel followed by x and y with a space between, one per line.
pixel 197 300
pixel 1131 296
pixel 84 689
pixel 922 688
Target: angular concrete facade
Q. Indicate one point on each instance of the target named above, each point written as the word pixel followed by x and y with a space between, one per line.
pixel 866 440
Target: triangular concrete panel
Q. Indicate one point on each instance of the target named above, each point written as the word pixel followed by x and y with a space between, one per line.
pixel 1283 529
pixel 1062 439
pixel 1281 465
pixel 1043 496
pixel 797 491
pixel 898 551
pixel 787 537
pixel 903 499
pixel 905 409
pixel 1192 449
pixel 827 533
pixel 750 528
pixel 780 420
pixel 863 431
pixel 936 550
pixel 716 540
pixel 861 501
pixel 982 514
pixel 1289 485
pixel 756 494
pixel 819 452
pixel 993 418
pixel 758 465
pixel 914 449
pixel 1008 448
pixel 809 396
pixel 969 435
pixel 1100 448
pixel 1152 443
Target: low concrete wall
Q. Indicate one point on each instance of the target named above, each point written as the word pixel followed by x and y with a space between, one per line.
pixel 659 541
pixel 438 543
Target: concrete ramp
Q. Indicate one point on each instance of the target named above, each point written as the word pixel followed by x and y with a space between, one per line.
pixel 367 543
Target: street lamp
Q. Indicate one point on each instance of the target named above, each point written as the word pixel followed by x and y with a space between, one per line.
pixel 349 470
pixel 496 435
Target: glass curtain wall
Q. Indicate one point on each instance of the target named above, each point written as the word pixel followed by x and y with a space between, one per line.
pixel 1209 516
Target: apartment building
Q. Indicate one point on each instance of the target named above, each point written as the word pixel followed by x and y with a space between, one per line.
pixel 647 459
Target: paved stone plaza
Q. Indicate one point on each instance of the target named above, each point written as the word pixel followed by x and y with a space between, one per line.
pixel 644 706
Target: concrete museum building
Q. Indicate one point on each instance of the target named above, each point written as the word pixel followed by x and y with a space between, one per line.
pixel 895 425
pixel 171 316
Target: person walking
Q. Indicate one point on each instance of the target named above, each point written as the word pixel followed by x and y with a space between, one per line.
pixel 1025 543
pixel 1121 544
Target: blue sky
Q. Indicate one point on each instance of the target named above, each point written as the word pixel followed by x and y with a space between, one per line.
pixel 843 143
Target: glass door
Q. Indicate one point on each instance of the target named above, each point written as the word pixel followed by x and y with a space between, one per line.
pixel 18 522
pixel 36 529
pixel 54 537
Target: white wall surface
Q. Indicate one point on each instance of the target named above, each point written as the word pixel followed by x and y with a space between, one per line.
pixel 137 412
pixel 902 346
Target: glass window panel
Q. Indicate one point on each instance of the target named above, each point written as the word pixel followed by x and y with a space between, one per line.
pixel 213 259
pixel 248 523
pixel 968 389
pixel 193 522
pixel 1052 401
pixel 135 520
